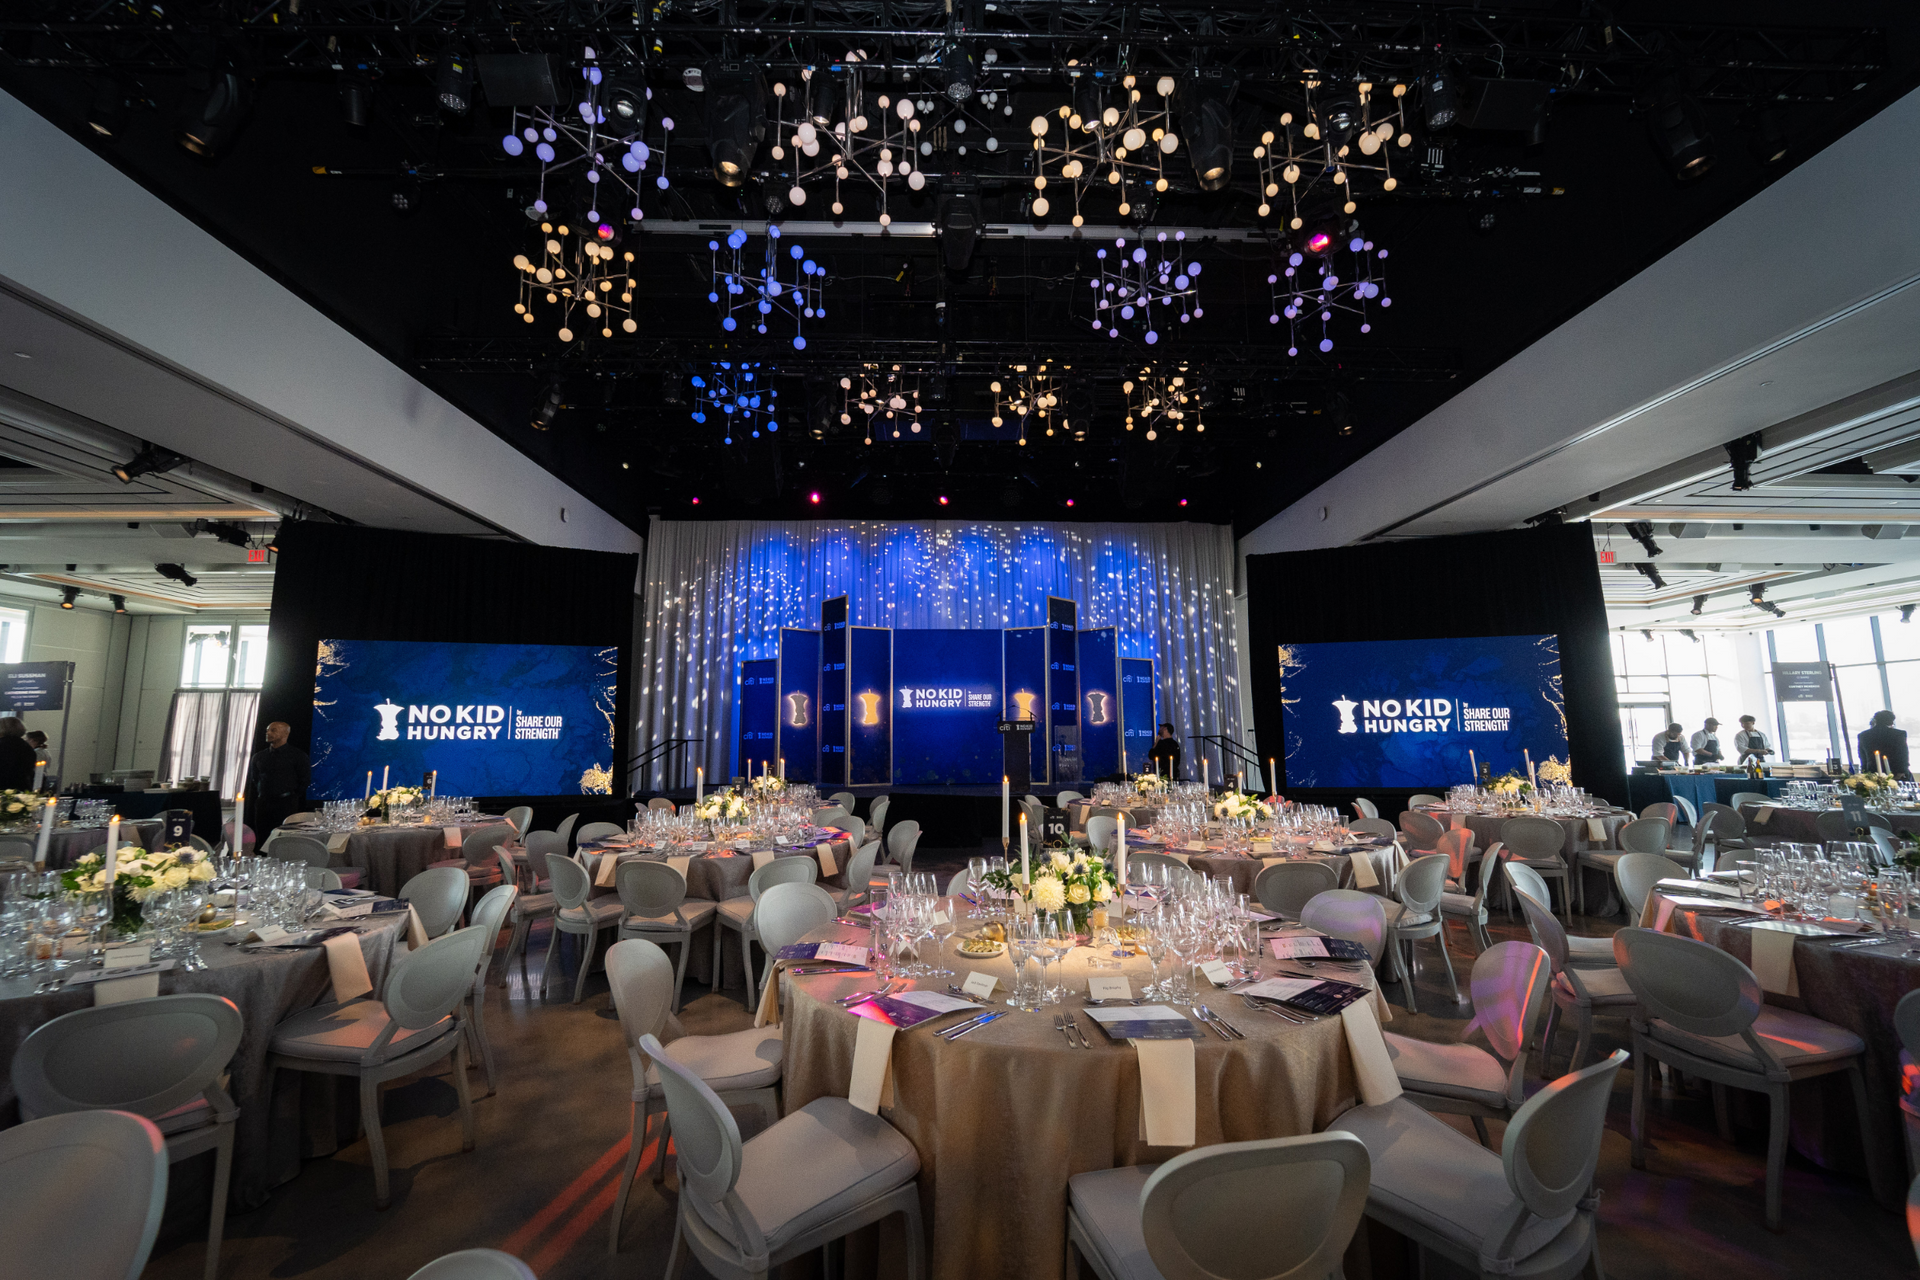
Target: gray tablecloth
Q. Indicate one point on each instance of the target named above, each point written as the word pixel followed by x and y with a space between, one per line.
pixel 388 857
pixel 1796 826
pixel 69 844
pixel 307 1115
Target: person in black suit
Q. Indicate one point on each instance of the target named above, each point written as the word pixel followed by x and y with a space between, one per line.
pixel 16 757
pixel 1165 752
pixel 277 779
pixel 1881 740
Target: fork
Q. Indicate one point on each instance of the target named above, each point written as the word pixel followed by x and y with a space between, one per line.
pixel 1219 1021
pixel 1060 1025
pixel 1285 1015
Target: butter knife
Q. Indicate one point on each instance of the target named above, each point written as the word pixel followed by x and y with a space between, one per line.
pixel 975 1025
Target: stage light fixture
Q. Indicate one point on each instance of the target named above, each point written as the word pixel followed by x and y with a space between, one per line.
pixel 356 99
pixel 1646 635
pixel 176 573
pixel 1641 531
pixel 551 402
pixel 1768 140
pixel 957 63
pixel 1690 635
pixel 453 83
pixel 1088 106
pixel 1208 129
pixel 814 498
pixel 68 595
pixel 107 113
pixel 736 121
pixel 1699 605
pixel 1651 574
pixel 209 123
pixel 1676 126
pixel 958 222
pixel 1906 612
pixel 1339 119
pixel 119 603
pixel 943 499
pixel 1440 96
pixel 231 534
pixel 149 461
pixel 1742 454
pixel 627 99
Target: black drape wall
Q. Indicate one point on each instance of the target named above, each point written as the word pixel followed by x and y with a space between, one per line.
pixel 1525 582
pixel 352 582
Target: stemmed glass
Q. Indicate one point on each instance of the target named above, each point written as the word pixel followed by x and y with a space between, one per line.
pixel 1053 948
pixel 1154 943
pixel 1023 943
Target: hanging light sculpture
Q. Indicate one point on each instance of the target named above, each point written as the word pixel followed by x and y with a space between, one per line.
pixel 755 297
pixel 1336 137
pixel 1132 282
pixel 738 397
pixel 1343 278
pixel 577 273
pixel 1116 146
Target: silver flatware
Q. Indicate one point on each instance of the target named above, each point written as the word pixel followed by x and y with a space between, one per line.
pixel 1079 1031
pixel 1060 1025
pixel 959 994
pixel 974 1026
pixel 958 1027
pixel 1220 1021
pixel 1209 1022
pixel 1277 1012
pixel 1095 1004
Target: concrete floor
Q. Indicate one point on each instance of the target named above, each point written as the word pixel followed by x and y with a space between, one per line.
pixel 541 1182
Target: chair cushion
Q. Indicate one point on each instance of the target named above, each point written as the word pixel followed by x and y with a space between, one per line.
pixel 816 1164
pixel 1549 862
pixel 603 910
pixel 1398 915
pixel 738 1060
pixel 533 906
pixel 191 1114
pixel 735 913
pixel 1794 1039
pixel 695 911
pixel 1590 951
pixel 349 876
pixel 1429 1172
pixel 1602 987
pixel 447 862
pixel 1107 1202
pixel 1448 1070
pixel 1462 904
pixel 342 1032
pixel 1607 858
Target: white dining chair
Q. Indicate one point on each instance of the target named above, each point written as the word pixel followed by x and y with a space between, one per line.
pixel 438 896
pixel 579 913
pixel 844 799
pixel 654 896
pixel 859 871
pixel 1527 1211
pixel 1419 798
pixel 1686 807
pixel 475 1264
pixel 877 816
pixel 1539 844
pixel 661 802
pixel 787 913
pixel 489 916
pixel 1208 1213
pixel 1286 887
pixel 84 1193
pixel 1416 915
pixel 527 908
pixel 1579 992
pixel 1636 874
pixel 1422 831
pixel 828 815
pixel 1509 985
pixel 1642 835
pixel 1365 808
pixel 1373 827
pixel 1101 834
pixel 1663 809
pixel 902 841
pixel 738 914
pixel 1581 952
pixel 1702 1012
pixel 161 1058
pixel 415 1022
pixel 564 831
pixel 323 878
pixel 520 817
pixel 476 856
pixel 598 831
pixel 808 1179
pixel 1350 914
pixel 742 1067
pixel 1470 909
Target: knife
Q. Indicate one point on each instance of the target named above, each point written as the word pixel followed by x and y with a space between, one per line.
pixel 833 969
pixel 974 1025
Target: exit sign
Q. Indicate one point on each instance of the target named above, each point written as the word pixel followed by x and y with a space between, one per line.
pixel 258 555
pixel 1606 557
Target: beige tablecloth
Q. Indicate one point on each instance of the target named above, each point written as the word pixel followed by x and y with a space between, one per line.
pixel 1004 1116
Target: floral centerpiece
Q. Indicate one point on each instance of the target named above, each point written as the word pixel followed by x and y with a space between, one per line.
pixel 1870 786
pixel 766 786
pixel 19 808
pixel 1151 785
pixel 1511 783
pixel 138 874
pixel 1064 879
pixel 1240 805
pixel 382 803
pixel 1551 770
pixel 721 806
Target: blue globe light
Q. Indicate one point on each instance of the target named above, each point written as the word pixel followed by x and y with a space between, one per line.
pixel 545 152
pixel 699 381
pixel 714 245
pixel 736 238
pixel 799 343
pixel 773 233
pixel 713 297
pixel 765 308
pixel 513 145
pixel 728 324
pixel 1152 337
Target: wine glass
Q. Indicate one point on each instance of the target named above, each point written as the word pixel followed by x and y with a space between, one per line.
pixel 1023 942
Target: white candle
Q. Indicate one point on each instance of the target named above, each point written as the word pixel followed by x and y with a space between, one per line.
pixel 1026 871
pixel 1473 764
pixel 39 774
pixel 1206 779
pixel 699 783
pixel 383 775
pixel 1240 780
pixel 46 830
pixel 1006 804
pixel 113 851
pixel 433 783
pixel 369 794
pixel 1273 778
pixel 239 822
pixel 783 768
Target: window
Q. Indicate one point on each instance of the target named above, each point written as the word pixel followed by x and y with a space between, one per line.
pixel 13 635
pixel 1671 677
pixel 211 724
pixel 1876 667
pixel 223 656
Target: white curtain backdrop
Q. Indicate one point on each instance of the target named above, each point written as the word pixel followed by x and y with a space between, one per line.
pixel 718 592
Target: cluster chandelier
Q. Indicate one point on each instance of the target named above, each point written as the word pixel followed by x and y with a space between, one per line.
pixel 889 396
pixel 1155 399
pixel 738 397
pixel 610 120
pixel 580 272
pixel 1319 147
pixel 1120 146
pixel 756 297
pixel 1315 284
pixel 1134 281
pixel 1029 392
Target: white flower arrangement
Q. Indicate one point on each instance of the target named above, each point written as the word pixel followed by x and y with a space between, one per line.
pixel 1061 878
pixel 1238 804
pixel 1149 784
pixel 1870 785
pixel 1510 783
pixel 17 806
pixel 767 785
pixel 390 798
pixel 139 874
pixel 1551 770
pixel 1047 894
pixel 721 806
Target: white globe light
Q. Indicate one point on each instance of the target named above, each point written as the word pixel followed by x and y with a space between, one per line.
pixel 796 196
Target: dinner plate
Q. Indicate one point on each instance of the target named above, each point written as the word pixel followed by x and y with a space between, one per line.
pixel 999 949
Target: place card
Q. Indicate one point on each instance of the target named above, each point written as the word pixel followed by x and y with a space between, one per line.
pixel 840 953
pixel 1196 846
pixel 980 983
pixel 1109 987
pixel 1263 846
pixel 271 935
pixel 85 977
pixel 1217 973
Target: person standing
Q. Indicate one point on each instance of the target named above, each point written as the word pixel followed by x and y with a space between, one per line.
pixel 1750 745
pixel 1670 748
pixel 1879 743
pixel 1706 743
pixel 16 756
pixel 1165 752
pixel 276 785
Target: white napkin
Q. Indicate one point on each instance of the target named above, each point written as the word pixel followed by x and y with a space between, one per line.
pixel 1773 960
pixel 608 865
pixel 871 1087
pixel 119 990
pixel 1456 822
pixel 680 865
pixel 1597 829
pixel 455 840
pixel 1763 815
pixel 1167 1102
pixel 1372 1064
pixel 416 932
pixel 1175 853
pixel 1363 877
pixel 761 857
pixel 348 967
pixel 337 842
pixel 828 866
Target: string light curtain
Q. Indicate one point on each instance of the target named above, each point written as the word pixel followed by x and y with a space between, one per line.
pixel 718 592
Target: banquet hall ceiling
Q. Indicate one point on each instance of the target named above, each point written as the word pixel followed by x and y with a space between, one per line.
pixel 1496 236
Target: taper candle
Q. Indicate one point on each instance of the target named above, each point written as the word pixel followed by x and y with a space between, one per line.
pixel 1026 870
pixel 239 822
pixel 112 859
pixel 46 830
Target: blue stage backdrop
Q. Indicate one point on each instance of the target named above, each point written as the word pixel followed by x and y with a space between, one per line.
pixel 833 693
pixel 798 712
pixel 946 706
pixel 490 719
pixel 869 682
pixel 1099 703
pixel 1137 711
pixel 1024 687
pixel 1063 688
pixel 758 703
pixel 1405 713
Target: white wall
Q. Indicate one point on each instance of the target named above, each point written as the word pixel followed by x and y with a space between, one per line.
pixel 154 648
pixel 84 637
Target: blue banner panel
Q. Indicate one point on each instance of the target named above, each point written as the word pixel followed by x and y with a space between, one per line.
pixel 833 693
pixel 797 714
pixel 34 686
pixel 490 719
pixel 1099 703
pixel 757 706
pixel 1138 711
pixel 1063 689
pixel 870 708
pixel 1406 713
pixel 946 706
pixel 1024 687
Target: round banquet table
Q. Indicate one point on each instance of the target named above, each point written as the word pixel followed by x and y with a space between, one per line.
pixel 68 844
pixel 388 857
pixel 1002 1117
pixel 1796 826
pixel 308 1115
pixel 1244 869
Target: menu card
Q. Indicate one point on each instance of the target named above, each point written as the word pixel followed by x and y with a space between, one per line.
pixel 1147 1022
pixel 1307 993
pixel 909 1008
pixel 1312 947
pixel 838 952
